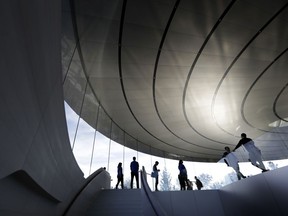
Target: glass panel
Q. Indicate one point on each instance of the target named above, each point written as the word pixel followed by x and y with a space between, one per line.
pixel 213 175
pixel 117 134
pixel 83 146
pixel 71 119
pixel 101 152
pixel 128 158
pixel 104 123
pixel 116 156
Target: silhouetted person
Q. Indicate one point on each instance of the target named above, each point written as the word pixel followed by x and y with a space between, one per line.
pixel 182 175
pixel 254 152
pixel 198 183
pixel 189 185
pixel 232 161
pixel 134 167
pixel 156 170
pixel 119 175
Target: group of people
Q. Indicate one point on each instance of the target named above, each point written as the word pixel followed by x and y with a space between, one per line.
pixel 184 182
pixel 134 168
pixel 254 155
pixel 229 158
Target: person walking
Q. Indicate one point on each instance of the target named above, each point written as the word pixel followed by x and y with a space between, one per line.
pixel 182 175
pixel 255 156
pixel 119 175
pixel 232 161
pixel 134 167
pixel 156 175
pixel 198 183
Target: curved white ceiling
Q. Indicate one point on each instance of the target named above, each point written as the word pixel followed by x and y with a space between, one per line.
pixel 180 79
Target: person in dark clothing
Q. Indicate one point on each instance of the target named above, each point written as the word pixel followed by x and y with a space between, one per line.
pixel 182 175
pixel 254 153
pixel 134 167
pixel 198 183
pixel 189 185
pixel 119 175
pixel 156 170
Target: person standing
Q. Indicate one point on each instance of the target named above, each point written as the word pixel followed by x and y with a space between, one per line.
pixel 156 175
pixel 182 175
pixel 198 183
pixel 189 185
pixel 254 153
pixel 134 167
pixel 232 161
pixel 119 175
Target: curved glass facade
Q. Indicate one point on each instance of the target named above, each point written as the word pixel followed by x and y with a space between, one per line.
pixel 93 150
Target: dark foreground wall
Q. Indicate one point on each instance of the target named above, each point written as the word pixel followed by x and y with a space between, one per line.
pixel 261 195
pixel 38 171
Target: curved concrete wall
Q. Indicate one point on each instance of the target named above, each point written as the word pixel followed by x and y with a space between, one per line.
pixel 260 195
pixel 95 183
pixel 38 171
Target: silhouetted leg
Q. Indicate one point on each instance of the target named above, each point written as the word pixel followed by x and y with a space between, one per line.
pixel 256 156
pixel 122 184
pixel 156 183
pixel 239 174
pixel 132 176
pixel 137 179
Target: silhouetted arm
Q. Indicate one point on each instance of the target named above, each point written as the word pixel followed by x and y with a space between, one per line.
pixel 238 145
pixel 226 162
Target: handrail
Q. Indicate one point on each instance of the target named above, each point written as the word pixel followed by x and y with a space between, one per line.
pixel 88 180
pixel 159 211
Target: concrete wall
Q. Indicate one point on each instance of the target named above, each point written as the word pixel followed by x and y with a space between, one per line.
pixel 95 184
pixel 38 171
pixel 263 194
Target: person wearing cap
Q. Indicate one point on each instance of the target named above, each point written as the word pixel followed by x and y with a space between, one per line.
pixel 255 156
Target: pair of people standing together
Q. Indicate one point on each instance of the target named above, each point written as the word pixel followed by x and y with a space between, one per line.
pixel 134 167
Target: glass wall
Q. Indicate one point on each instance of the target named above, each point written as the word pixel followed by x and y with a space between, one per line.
pixel 93 150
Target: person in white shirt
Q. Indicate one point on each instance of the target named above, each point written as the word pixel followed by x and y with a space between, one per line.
pixel 254 153
pixel 232 161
